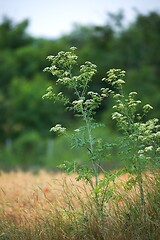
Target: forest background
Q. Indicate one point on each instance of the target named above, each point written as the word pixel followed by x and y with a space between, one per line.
pixel 25 119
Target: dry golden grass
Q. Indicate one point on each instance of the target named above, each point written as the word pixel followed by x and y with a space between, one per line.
pixel 23 195
pixel 56 206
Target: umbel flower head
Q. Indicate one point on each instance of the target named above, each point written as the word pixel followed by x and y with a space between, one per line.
pixel 58 129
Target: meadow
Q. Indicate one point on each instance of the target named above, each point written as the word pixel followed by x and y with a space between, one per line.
pixel 55 206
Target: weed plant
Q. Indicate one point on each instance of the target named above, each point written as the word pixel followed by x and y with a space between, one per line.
pixel 141 139
pixel 84 105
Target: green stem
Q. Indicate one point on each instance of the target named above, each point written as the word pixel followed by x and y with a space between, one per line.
pixel 89 131
pixel 88 124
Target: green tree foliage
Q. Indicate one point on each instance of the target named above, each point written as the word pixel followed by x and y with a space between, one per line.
pixel 21 81
pixel 13 36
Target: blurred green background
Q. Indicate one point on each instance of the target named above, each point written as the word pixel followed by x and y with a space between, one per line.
pixel 25 119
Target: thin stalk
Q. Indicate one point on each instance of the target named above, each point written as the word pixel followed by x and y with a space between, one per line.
pixel 141 191
pixel 89 131
pixel 91 149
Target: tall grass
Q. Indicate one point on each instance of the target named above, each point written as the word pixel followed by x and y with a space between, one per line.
pixel 75 216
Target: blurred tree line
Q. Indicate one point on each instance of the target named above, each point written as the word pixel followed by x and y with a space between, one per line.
pixel 25 118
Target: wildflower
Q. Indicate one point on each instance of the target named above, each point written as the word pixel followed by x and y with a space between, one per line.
pixel 46 190
pixel 77 102
pixel 132 104
pixel 77 130
pixel 116 115
pixel 140 138
pixel 91 93
pixel 58 129
pixel 147 107
pixel 140 152
pixel 120 106
pixel 103 95
pixel 148 149
pixel 59 94
pixel 120 81
pixel 73 48
pixel 158 134
pixel 132 93
pixel 49 89
pixel 158 149
pixel 89 102
pixel 117 95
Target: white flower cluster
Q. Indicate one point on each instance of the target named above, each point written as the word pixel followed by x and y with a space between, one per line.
pixel 58 129
pixel 49 94
pixel 114 77
pixel 147 108
pixel 77 103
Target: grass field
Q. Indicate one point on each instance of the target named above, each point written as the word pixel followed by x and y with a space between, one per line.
pixel 23 194
pixel 55 206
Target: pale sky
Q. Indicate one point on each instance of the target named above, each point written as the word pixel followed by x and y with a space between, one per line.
pixel 52 18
